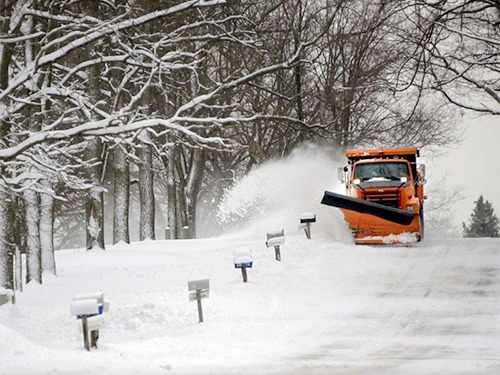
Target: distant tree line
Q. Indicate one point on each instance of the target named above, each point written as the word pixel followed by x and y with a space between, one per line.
pixel 168 101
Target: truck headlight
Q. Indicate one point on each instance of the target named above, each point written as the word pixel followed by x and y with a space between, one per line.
pixel 409 208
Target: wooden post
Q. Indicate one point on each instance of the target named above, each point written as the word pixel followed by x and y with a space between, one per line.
pixel 94 335
pixel 198 300
pixel 85 332
pixel 308 230
pixel 244 273
pixel 277 252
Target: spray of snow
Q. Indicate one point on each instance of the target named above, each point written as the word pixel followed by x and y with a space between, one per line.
pixel 403 238
pixel 274 195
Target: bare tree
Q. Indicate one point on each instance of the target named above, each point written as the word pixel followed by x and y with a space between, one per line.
pixel 82 63
pixel 455 51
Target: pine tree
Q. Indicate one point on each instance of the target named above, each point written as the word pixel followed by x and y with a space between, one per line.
pixel 483 221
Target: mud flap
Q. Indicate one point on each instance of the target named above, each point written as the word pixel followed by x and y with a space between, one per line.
pixel 392 214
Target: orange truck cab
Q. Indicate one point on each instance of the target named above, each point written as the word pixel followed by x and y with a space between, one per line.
pixel 384 200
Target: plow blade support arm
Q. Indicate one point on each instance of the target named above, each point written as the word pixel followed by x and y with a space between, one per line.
pixel 392 214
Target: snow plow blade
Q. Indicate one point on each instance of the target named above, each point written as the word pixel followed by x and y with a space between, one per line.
pixel 392 214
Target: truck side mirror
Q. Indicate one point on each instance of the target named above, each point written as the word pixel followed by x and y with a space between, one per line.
pixel 421 175
pixel 341 172
pixel 421 169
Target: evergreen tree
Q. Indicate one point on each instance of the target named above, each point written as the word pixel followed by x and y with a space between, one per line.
pixel 483 221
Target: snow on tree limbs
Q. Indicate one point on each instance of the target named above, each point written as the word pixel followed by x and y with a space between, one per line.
pixel 112 124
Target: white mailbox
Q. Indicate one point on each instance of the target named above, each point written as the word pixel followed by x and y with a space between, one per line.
pixel 89 308
pixel 84 307
pixel 199 284
pixel 276 238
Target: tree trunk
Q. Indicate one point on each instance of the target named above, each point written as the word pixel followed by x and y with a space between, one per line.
pixel 94 205
pixel 33 251
pixel 171 195
pixel 17 238
pixel 95 221
pixel 181 218
pixel 121 197
pixel 192 188
pixel 297 36
pixel 47 230
pixel 146 192
pixel 5 59
pixel 5 270
pixel 15 230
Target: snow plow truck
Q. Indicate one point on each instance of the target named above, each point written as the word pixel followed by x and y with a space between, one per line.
pixel 384 201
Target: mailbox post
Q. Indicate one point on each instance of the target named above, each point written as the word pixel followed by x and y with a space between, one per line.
pixel 306 219
pixel 199 289
pixel 243 259
pixel 276 238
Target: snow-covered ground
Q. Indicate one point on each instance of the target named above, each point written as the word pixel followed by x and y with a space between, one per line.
pixel 328 308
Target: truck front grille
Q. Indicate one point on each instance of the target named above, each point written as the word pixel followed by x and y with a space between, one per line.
pixel 385 198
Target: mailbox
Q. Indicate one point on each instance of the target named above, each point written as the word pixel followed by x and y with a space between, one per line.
pixel 276 238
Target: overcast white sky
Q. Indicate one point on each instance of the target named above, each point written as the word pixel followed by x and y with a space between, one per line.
pixel 475 165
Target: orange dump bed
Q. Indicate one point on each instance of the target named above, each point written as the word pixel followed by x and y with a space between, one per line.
pixel 374 152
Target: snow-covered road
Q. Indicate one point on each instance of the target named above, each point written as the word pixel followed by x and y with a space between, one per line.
pixel 432 309
pixel 327 308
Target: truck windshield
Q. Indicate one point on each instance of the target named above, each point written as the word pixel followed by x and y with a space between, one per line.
pixel 390 171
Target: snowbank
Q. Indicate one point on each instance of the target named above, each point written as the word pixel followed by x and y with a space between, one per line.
pixel 328 307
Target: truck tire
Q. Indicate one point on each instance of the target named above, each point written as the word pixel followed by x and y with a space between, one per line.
pixel 421 222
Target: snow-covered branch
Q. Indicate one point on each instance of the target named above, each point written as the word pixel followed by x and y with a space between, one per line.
pixel 92 35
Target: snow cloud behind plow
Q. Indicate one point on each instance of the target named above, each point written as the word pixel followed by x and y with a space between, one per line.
pixel 274 195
